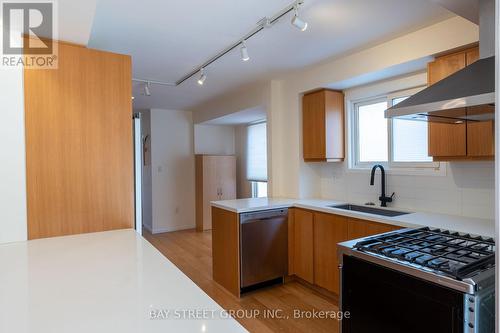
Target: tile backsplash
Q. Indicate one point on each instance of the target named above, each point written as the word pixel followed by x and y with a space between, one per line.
pixel 467 189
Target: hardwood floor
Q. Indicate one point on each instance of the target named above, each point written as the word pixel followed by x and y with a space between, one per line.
pixel 191 252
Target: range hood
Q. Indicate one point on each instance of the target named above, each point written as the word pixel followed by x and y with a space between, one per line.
pixel 468 94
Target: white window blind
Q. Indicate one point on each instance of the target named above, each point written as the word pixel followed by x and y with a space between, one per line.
pixel 257 153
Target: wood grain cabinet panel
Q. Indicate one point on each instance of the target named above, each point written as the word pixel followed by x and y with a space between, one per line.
pixel 226 249
pixel 215 180
pixel 444 66
pixel 79 151
pixel 291 241
pixel 303 261
pixel 447 140
pixel 481 138
pixel 361 228
pixel 472 55
pixel 323 126
pixel 463 141
pixel 328 231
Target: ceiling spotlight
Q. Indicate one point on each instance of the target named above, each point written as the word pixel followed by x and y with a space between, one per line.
pixel 296 21
pixel 244 51
pixel 203 77
pixel 147 91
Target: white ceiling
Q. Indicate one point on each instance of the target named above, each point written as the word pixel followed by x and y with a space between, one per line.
pixel 167 39
pixel 239 118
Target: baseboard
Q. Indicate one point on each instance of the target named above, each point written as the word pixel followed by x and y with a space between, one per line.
pixel 148 228
pixel 170 229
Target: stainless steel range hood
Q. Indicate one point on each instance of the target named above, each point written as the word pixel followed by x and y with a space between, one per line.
pixel 469 94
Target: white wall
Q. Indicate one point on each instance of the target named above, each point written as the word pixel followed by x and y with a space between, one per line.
pixel 214 139
pixel 173 186
pixel 13 215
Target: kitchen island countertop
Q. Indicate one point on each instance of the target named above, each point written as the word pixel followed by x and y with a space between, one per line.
pixel 113 281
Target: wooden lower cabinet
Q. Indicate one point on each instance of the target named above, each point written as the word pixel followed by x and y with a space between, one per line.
pixel 328 231
pixel 313 239
pixel 226 249
pixel 303 257
pixel 361 228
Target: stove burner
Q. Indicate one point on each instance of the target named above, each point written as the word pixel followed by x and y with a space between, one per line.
pixel 451 253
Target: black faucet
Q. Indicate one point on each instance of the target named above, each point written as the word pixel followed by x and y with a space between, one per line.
pixel 383 199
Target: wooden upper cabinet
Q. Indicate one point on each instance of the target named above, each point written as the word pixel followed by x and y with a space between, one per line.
pixel 323 126
pixel 447 140
pixel 481 139
pixel 472 55
pixel 461 141
pixel 445 66
pixel 329 230
pixel 303 245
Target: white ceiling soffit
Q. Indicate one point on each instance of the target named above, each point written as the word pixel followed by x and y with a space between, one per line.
pixel 240 118
pixel 168 39
pixel 468 9
pixel 74 20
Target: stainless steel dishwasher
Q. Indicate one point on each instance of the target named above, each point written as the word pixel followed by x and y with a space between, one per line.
pixel 263 246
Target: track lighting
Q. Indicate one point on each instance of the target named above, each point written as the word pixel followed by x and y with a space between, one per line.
pixel 244 51
pixel 147 91
pixel 263 24
pixel 296 21
pixel 203 77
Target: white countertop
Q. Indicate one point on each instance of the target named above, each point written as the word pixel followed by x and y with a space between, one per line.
pixel 100 282
pixel 476 226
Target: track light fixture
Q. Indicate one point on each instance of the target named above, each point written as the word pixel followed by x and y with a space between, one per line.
pixel 203 77
pixel 147 90
pixel 296 21
pixel 244 51
pixel 264 23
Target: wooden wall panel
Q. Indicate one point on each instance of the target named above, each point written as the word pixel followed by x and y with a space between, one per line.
pixel 79 151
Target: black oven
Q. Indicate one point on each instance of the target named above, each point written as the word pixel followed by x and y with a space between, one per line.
pixel 379 299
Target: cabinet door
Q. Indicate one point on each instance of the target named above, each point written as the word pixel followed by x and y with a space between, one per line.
pixel 445 66
pixel 481 138
pixel 210 189
pixel 314 126
pixel 447 140
pixel 291 241
pixel 303 245
pixel 361 228
pixel 328 231
pixel 226 177
pixel 472 56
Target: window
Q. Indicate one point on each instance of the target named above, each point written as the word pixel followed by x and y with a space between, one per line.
pixel 257 159
pixel 396 143
pixel 409 138
pixel 259 189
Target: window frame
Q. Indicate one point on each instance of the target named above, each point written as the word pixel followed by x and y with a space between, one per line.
pixel 255 189
pixel 424 168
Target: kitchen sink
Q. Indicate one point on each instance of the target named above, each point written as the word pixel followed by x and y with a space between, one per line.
pixel 369 210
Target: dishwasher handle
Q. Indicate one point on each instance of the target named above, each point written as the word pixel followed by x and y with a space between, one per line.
pixel 263 215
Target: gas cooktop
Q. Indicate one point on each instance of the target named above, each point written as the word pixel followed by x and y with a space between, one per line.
pixel 444 252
